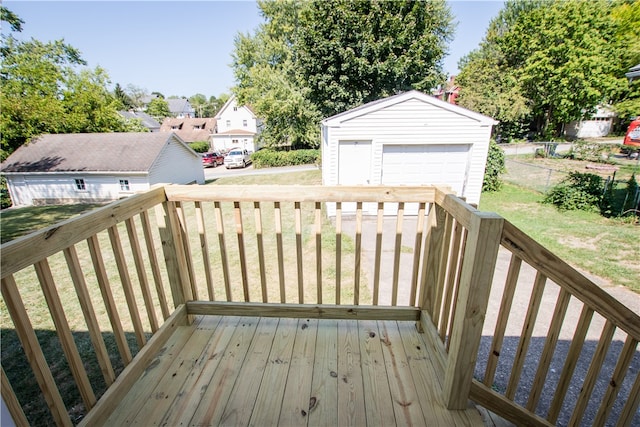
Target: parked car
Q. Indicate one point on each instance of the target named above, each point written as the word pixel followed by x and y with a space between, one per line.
pixel 212 159
pixel 237 158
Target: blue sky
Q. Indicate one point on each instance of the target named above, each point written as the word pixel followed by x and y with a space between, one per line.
pixel 183 48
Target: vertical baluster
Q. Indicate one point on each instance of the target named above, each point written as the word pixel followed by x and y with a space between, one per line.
pixel 33 351
pixel 338 251
pixel 155 266
pixel 570 362
pixel 631 406
pixel 241 252
pixel 358 255
pixel 132 305
pixel 396 254
pixel 592 374
pixel 223 250
pixel 454 304
pixel 43 271
pixel 204 249
pixel 417 249
pixel 184 236
pixel 319 251
pixel 452 282
pixel 263 275
pixel 298 220
pixel 105 289
pixel 549 347
pixel 10 399
pixel 525 336
pixel 626 355
pixel 142 274
pixel 378 260
pixel 278 225
pixel 445 256
pixel 503 318
pixel 88 311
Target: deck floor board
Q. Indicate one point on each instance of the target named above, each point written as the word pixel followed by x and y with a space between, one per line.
pixel 227 370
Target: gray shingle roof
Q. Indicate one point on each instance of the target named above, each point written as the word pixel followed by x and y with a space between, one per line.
pixel 90 152
pixel 147 120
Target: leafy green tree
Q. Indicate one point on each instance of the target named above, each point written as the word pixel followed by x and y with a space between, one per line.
pixel 32 76
pixel 626 16
pixel 351 52
pixel 88 105
pixel 11 18
pixel 314 59
pixel 215 104
pixel 137 95
pixel 121 96
pixel 265 72
pixel 199 103
pixel 158 108
pixel 554 60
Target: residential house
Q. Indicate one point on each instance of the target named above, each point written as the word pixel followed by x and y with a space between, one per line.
pixel 145 119
pixel 190 129
pixel 97 167
pixel 407 139
pixel 178 107
pixel 596 126
pixel 449 92
pixel 237 127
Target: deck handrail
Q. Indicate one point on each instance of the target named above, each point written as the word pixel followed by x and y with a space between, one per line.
pixel 239 247
pixel 447 290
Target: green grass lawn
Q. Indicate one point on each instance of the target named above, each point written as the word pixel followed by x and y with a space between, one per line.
pixel 607 248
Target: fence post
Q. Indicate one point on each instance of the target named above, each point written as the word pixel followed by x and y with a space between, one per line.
pixel 480 255
pixel 174 253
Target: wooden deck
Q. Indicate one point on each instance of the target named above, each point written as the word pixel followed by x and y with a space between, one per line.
pixel 230 370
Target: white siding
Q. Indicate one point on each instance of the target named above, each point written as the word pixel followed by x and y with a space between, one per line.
pixel 412 121
pixel 226 142
pixel 176 164
pixel 29 189
pixel 236 116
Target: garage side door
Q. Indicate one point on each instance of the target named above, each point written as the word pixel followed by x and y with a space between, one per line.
pixel 354 168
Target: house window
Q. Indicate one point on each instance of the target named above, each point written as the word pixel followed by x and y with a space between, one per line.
pixel 234 141
pixel 244 123
pixel 235 108
pixel 124 185
pixel 80 185
pixel 228 123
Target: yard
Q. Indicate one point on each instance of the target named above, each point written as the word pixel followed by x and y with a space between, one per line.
pixel 583 239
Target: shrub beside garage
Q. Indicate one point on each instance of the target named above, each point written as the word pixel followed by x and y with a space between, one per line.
pixel 267 158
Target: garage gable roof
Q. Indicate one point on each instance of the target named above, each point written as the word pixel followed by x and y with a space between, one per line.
pixel 403 97
pixel 91 152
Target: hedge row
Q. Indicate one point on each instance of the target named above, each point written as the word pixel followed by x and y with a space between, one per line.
pixel 268 158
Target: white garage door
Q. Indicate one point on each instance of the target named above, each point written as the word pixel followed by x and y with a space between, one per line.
pixel 425 164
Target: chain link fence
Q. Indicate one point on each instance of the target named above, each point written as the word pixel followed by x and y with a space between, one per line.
pixel 539 178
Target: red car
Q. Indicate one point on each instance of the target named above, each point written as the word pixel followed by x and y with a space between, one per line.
pixel 632 137
pixel 212 159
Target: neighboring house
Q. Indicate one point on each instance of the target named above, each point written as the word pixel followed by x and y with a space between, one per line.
pixel 237 127
pixel 190 129
pixel 598 125
pixel 449 93
pixel 407 139
pixel 178 107
pixel 146 120
pixel 97 167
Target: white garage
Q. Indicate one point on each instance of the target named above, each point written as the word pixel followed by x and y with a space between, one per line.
pixel 407 139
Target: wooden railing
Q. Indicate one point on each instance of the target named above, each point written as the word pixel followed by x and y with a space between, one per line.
pixel 548 364
pixel 273 250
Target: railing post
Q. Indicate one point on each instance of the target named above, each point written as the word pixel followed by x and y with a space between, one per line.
pixel 434 243
pixel 480 255
pixel 174 253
